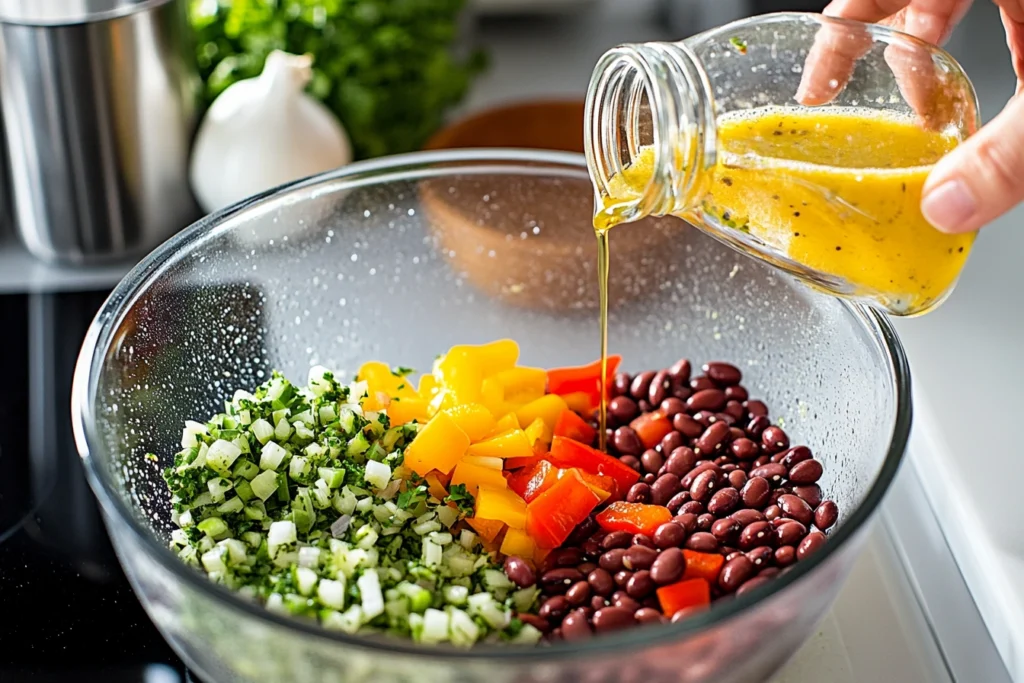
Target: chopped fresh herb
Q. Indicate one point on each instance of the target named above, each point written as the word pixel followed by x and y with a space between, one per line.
pixel 462 498
pixel 402 371
pixel 739 45
pixel 412 497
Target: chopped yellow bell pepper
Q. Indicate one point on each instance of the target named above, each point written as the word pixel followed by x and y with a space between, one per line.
pixel 459 377
pixel 517 542
pixel 522 385
pixel 548 408
pixel 579 402
pixel 439 446
pixel 501 505
pixel 435 486
pixel 511 444
pixel 403 409
pixel 491 358
pixel 475 476
pixel 492 395
pixel 538 432
pixel 484 461
pixel 505 424
pixel 472 418
pixel 487 529
pixel 428 386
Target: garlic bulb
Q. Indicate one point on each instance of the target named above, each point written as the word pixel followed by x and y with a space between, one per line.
pixel 263 132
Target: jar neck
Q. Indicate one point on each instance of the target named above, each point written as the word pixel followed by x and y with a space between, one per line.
pixel 649 106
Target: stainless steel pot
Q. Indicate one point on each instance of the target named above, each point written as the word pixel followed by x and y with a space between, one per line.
pixel 99 102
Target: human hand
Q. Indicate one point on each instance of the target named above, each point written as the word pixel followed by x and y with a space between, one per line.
pixel 982 178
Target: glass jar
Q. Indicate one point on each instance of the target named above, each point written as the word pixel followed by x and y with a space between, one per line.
pixel 796 138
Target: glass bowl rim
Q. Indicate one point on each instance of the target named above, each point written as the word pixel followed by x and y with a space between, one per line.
pixel 414 166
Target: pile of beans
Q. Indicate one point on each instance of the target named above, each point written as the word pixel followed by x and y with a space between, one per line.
pixel 733 482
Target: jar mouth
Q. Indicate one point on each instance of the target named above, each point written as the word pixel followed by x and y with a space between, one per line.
pixel 652 105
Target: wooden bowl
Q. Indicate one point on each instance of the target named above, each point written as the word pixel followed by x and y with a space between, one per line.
pixel 555 125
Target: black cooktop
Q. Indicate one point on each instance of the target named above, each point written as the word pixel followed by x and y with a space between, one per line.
pixel 68 611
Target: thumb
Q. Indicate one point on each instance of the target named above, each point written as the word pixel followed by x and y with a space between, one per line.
pixel 981 179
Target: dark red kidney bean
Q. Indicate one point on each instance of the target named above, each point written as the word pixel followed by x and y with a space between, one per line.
pixel 652 460
pixel 772 512
pixel 712 440
pixel 565 557
pixel 779 521
pixel 785 556
pixel 681 461
pixel 687 520
pixel 564 577
pixel 706 399
pixel 812 542
pixel 687 426
pixel 755 428
pixel 744 449
pixel 826 515
pixel 736 433
pixel 666 486
pixel 756 408
pixel 639 493
pixel 704 485
pixel 756 534
pixel 611 561
pixel 556 634
pixel 616 539
pixel 646 615
pixel 778 457
pixel 725 464
pixel 761 461
pixel 795 508
pixel 669 567
pixel 672 441
pixel 724 374
pixel 806 472
pixel 773 472
pixel 789 533
pixel 693 507
pixel 811 494
pixel 591 547
pixel 519 572
pixel 769 572
pixel 705 418
pixel 576 626
pixel 627 442
pixel 726 419
pixel 582 532
pixel 773 499
pixel 578 593
pixel 746 517
pixel 622 578
pixel 723 501
pixel 601 582
pixel 681 390
pixel 630 461
pixel 587 567
pixel 621 599
pixel 702 384
pixel 645 405
pixel 677 501
pixel 761 556
pixel 620 385
pixel 610 619
pixel 705 521
pixel 699 469
pixel 731 554
pixel 737 393
pixel 737 479
pixel 735 410
pixel 649 478
pixel 795 455
pixel 702 542
pixel 554 608
pixel 644 540
pixel 623 408
pixel 726 530
pixel 755 492
pixel 774 439
pixel 640 585
pixel 680 370
pixel 669 535
pixel 671 407
pixel 639 557
pixel 641 385
pixel 751 584
pixel 533 620
pixel 598 601
pixel 735 572
pixel 660 388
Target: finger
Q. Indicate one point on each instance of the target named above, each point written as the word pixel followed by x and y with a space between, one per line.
pixel 868 11
pixel 981 179
pixel 830 62
pixel 1012 14
pixel 934 20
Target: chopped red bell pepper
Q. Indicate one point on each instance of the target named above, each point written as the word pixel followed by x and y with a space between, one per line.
pixel 602 485
pixel 702 565
pixel 533 480
pixel 569 453
pixel 652 428
pixel 552 515
pixel 686 594
pixel 636 518
pixel 520 463
pixel 572 426
pixel 583 378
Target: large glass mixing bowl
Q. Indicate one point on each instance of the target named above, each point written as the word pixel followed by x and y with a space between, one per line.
pixel 400 258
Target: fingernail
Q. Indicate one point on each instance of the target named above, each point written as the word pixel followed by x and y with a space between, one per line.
pixel 949 206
